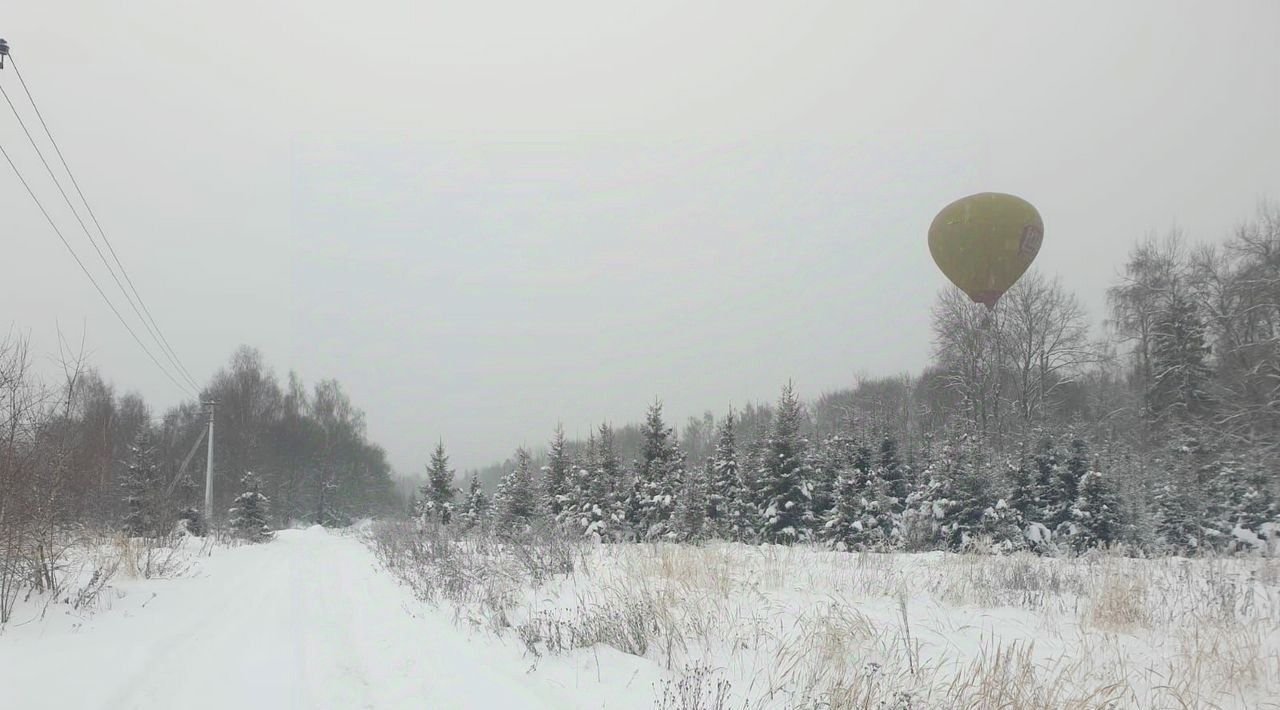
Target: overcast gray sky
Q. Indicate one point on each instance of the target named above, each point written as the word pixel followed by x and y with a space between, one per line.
pixel 485 216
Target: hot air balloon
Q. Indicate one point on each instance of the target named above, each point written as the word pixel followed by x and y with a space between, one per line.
pixel 985 242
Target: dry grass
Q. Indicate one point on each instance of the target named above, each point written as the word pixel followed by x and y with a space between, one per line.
pixel 798 627
pixel 87 562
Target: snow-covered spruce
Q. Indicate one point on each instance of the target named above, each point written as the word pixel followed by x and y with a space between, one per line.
pixel 142 487
pixel 248 516
pixel 435 498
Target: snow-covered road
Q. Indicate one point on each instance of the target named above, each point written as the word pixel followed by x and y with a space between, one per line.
pixel 306 621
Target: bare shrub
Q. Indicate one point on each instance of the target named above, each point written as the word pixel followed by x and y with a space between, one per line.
pixel 628 624
pixel 479 573
pixel 698 687
pixel 544 552
pixel 156 557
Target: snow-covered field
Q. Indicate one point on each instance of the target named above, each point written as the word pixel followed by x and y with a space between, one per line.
pixel 383 618
pixel 729 626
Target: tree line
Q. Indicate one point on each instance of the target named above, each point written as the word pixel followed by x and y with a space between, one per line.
pixel 76 454
pixel 1027 431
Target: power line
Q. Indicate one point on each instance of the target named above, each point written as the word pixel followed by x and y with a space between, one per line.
pixel 94 217
pixel 185 388
pixel 102 257
pixel 148 321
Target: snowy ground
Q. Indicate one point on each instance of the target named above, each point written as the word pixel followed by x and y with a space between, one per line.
pixel 315 620
pixel 306 621
pixel 735 626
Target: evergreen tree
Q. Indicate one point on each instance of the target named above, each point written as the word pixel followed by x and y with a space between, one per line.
pixel 1248 503
pixel 1050 506
pixel 515 504
pixel 592 506
pixel 725 491
pixel 575 509
pixel 436 503
pixel 1180 372
pixel 249 512
pixel 971 513
pixel 608 519
pixel 784 478
pixel 748 513
pixel 1095 518
pixel 845 527
pixel 475 506
pixel 1022 512
pixel 877 526
pixel 141 484
pixel 881 516
pixel 824 470
pixel 926 506
pixel 1004 528
pixel 893 473
pixel 1179 500
pixel 1177 529
pixel 1241 506
pixel 690 516
pixel 556 475
pixel 191 521
pixel 1065 485
pixel 657 477
pixel 1022 498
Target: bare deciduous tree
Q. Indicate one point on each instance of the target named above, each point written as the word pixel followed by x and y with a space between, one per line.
pixel 1046 343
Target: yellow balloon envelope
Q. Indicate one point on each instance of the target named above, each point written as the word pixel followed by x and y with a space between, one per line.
pixel 985 242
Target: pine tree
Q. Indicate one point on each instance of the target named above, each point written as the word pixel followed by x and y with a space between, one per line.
pixel 1022 498
pixel 881 516
pixel 845 525
pixel 1180 498
pixel 748 512
pixel 1065 486
pixel 141 484
pixel 1180 373
pixel 971 514
pixel 725 492
pixel 249 511
pixel 192 521
pixel 1050 507
pixel 436 503
pixel 1095 518
pixel 1004 528
pixel 593 508
pixel 515 504
pixel 555 475
pixel 607 514
pixel 926 506
pixel 657 478
pixel 1176 526
pixel 824 471
pixel 1022 508
pixel 1247 503
pixel 575 508
pixel 475 507
pixel 688 521
pixel 893 473
pixel 784 479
